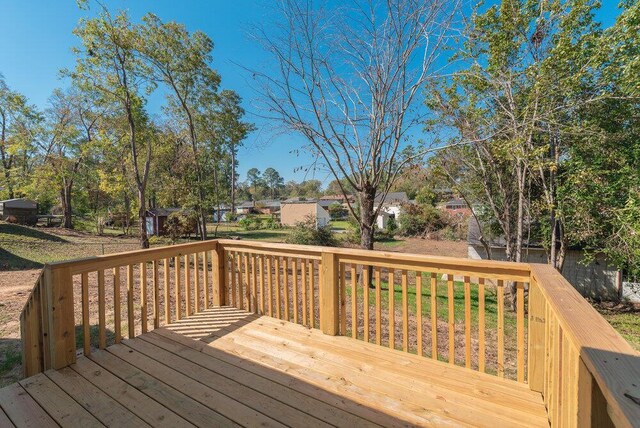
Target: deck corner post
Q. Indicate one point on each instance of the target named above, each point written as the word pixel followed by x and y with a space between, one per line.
pixel 58 318
pixel 329 294
pixel 536 337
pixel 219 276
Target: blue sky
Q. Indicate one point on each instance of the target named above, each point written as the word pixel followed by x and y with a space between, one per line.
pixel 36 42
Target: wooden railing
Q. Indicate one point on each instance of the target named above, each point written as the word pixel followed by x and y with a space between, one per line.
pixel 443 308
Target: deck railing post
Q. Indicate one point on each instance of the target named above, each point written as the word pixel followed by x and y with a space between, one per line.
pixel 58 318
pixel 329 294
pixel 536 338
pixel 219 276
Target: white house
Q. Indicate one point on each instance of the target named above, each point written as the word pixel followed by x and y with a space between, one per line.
pixel 391 207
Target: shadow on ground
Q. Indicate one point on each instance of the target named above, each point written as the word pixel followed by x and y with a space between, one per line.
pixel 10 261
pixel 28 232
pixel 10 361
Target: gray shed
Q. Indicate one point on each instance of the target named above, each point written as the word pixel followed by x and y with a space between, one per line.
pixel 19 210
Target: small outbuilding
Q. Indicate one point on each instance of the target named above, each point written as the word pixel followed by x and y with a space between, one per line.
pixel 20 210
pixel 298 211
pixel 156 219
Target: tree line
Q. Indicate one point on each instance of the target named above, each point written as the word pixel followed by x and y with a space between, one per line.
pixel 96 147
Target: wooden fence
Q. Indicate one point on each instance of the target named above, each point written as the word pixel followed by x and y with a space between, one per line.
pixel 443 308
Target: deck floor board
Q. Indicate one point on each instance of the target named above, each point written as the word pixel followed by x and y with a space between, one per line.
pixel 227 367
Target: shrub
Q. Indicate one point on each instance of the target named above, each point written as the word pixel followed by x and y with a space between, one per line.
pixel 337 211
pixel 391 227
pixel 250 222
pixel 306 233
pixel 179 224
pixel 271 223
pixel 419 220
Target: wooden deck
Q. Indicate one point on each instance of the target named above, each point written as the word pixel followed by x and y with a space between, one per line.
pixel 227 367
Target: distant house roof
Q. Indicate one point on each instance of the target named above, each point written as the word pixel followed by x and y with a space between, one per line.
pixel 268 203
pixel 298 199
pixel 308 201
pixel 246 204
pixel 19 203
pixel 455 203
pixel 326 203
pixel 393 198
pixel 163 212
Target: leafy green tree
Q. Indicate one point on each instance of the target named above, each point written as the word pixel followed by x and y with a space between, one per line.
pixel 254 178
pixel 72 121
pixel 230 130
pixel 107 63
pixel 19 128
pixel 180 61
pixel 274 181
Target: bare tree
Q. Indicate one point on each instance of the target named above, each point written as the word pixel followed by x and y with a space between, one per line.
pixel 348 80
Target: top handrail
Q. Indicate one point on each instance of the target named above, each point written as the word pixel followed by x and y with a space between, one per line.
pixel 488 268
pixel 105 261
pixel 613 363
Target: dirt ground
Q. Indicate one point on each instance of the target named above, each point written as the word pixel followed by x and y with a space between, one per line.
pixel 427 246
pixel 15 287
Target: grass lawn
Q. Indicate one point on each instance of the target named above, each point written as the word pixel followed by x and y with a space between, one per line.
pixel 232 230
pixel 29 248
pixel 442 300
pixel 340 225
pixel 627 323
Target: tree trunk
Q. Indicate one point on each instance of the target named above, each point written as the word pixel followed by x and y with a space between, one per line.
pixel 367 218
pixel 144 239
pixel 233 179
pixel 65 199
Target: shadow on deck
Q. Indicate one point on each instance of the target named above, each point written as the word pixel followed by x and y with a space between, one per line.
pixel 226 367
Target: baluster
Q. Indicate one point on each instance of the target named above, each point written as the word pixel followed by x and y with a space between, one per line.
pixel 232 272
pixel 452 319
pixel 481 326
pixel 270 285
pixel 143 295
pixel 365 301
pixel 117 322
pixel 196 283
pixel 405 311
pixel 520 330
pixel 156 299
pixel 286 288
pixel 312 299
pixel 254 283
pixel 102 335
pixel 354 302
pixel 130 319
pixel 187 284
pixel 247 280
pixel 167 304
pixel 467 322
pixel 304 291
pixel 378 307
pixel 261 267
pixel 295 290
pixel 434 315
pixel 205 279
pixel 500 299
pixel 419 312
pixel 86 326
pixel 278 286
pixel 392 308
pixel 176 271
